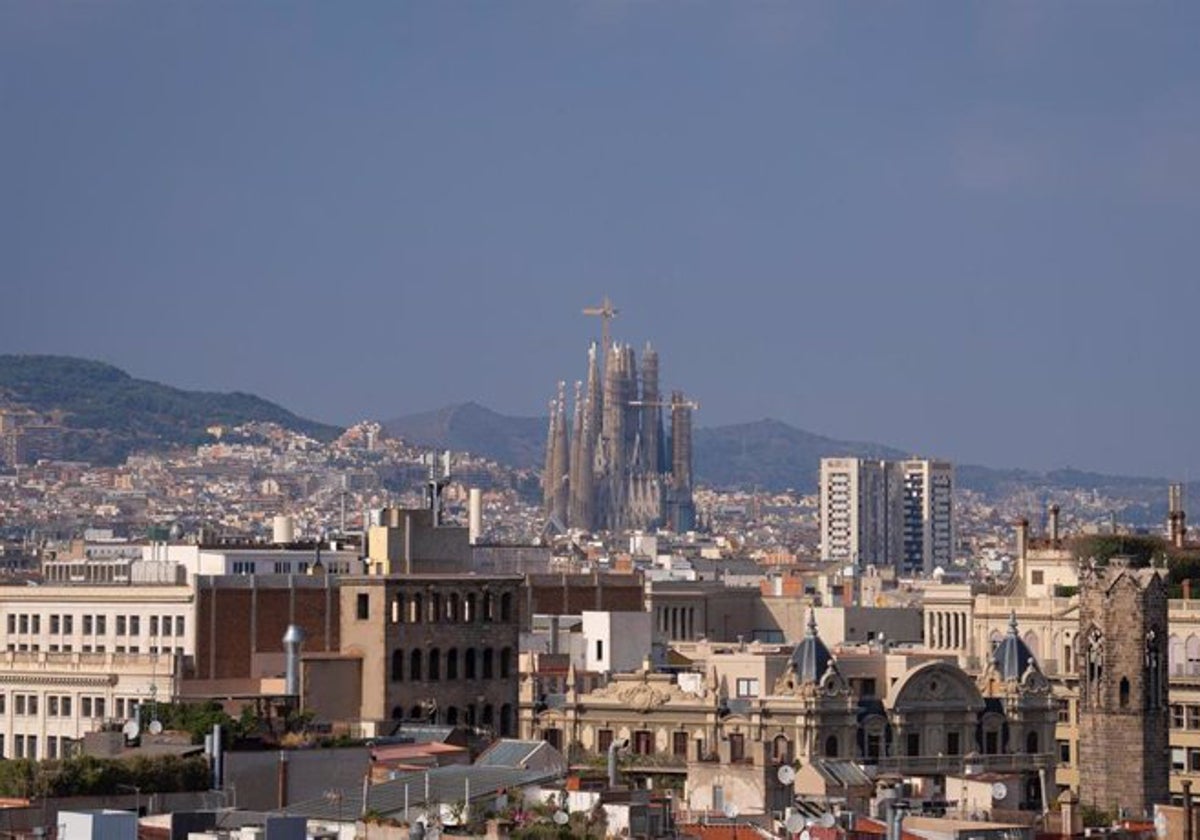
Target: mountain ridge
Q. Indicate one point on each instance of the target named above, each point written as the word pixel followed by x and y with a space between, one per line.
pixel 108 414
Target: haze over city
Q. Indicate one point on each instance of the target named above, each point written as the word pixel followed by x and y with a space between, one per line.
pixel 967 231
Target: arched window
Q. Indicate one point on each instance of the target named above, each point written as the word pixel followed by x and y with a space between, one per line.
pixel 435 607
pixel 452 716
pixel 1033 643
pixel 414 666
pixel 489 607
pixel 1193 656
pixel 398 610
pixel 1124 689
pixel 489 659
pixel 414 612
pixel 452 607
pixel 505 663
pixel 397 665
pixel 468 614
pixel 470 714
pixel 452 664
pixel 506 606
pixel 397 713
pixel 831 746
pixel 469 663
pixel 488 715
pixel 1031 743
pixel 781 749
pixel 1175 655
pixel 435 664
pixel 506 721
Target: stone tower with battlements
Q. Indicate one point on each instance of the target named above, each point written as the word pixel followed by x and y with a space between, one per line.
pixel 1124 757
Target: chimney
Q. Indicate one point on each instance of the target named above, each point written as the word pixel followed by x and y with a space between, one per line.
pixel 1022 538
pixel 1054 509
pixel 1188 814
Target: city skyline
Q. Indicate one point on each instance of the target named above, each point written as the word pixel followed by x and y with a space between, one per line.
pixel 962 233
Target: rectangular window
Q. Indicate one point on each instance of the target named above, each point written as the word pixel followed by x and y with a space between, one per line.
pixel 153 625
pixel 599 650
pixel 3 699
pixel 1178 759
pixel 120 625
pixel 604 739
pixel 1176 716
pixel 85 707
pixel 19 704
pixel 31 747
pixel 51 746
pixel 912 744
pixel 54 623
pixel 643 742
pixel 1064 752
pixel 952 743
pixel 37 624
pixel 18 746
pixel 363 608
pixel 166 625
pixel 747 687
pixel 12 623
pixel 178 625
pixel 1064 710
pixel 24 621
pixel 1193 760
pixel 68 623
pixel 87 625
pixel 1193 717
pixel 52 706
pixel 737 747
pixel 65 705
pixel 99 704
pixel 679 744
pixel 135 625
pixel 33 704
pixel 1037 577
pixel 101 625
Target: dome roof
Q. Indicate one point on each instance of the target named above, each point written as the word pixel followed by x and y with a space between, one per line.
pixel 810 658
pixel 1012 656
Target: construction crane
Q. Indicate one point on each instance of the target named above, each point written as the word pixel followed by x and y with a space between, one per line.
pixel 606 313
pixel 692 404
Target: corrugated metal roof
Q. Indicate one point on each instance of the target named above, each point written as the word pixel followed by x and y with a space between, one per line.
pixel 508 753
pixel 445 784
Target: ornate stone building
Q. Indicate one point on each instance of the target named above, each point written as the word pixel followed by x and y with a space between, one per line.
pixel 1123 685
pixel 888 712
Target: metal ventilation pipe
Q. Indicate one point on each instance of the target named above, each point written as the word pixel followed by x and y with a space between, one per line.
pixel 292 640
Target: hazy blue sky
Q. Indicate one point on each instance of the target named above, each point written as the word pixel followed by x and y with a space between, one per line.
pixel 967 229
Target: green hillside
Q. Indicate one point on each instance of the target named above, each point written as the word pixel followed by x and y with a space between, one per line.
pixel 109 413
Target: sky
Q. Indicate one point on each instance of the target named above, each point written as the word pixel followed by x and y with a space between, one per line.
pixel 968 230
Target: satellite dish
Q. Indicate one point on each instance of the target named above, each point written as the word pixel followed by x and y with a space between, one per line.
pixel 561 818
pixel 786 774
pixel 826 820
pixel 156 727
pixel 131 730
pixel 731 810
pixel 999 790
pixel 794 823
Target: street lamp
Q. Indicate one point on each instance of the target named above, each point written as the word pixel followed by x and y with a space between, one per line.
pixel 137 808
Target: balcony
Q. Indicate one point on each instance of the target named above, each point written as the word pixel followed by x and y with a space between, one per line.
pixel 942 765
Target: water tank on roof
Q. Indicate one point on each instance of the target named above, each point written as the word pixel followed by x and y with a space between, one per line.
pixel 283 531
